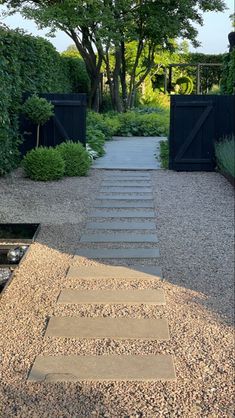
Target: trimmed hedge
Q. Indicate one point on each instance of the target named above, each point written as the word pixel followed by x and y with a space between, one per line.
pixel 76 158
pixel 30 64
pixel 44 164
pixel 228 74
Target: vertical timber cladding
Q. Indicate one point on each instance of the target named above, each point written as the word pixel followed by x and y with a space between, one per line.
pixel 68 122
pixel 196 123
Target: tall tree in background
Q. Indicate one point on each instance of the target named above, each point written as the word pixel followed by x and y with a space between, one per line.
pixel 102 28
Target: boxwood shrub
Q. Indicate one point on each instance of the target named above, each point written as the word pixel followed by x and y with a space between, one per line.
pixel 44 164
pixel 76 158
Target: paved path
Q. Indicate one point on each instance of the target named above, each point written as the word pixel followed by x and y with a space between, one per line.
pixel 130 235
pixel 130 153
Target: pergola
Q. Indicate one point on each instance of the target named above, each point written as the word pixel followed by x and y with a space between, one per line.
pixel 168 86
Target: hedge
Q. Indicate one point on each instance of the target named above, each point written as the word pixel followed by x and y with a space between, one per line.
pixel 30 64
pixel 228 75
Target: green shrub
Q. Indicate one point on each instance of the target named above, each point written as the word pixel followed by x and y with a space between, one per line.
pixel 104 123
pixel 44 164
pixel 39 111
pixel 225 155
pixel 153 124
pixel 76 158
pixel 96 140
pixel 76 69
pixel 164 154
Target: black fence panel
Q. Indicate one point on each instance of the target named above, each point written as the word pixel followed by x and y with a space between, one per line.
pixel 196 122
pixel 68 122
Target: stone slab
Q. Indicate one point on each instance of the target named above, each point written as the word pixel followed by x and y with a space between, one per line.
pixel 129 189
pixel 119 237
pixel 115 204
pixel 118 253
pixel 122 226
pixel 126 296
pixel 130 183
pixel 135 196
pixel 115 272
pixel 115 328
pixel 122 213
pixel 148 368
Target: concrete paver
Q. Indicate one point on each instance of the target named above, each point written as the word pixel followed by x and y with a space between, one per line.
pixel 115 328
pixel 135 153
pixel 121 253
pixel 149 368
pixel 122 225
pixel 119 237
pixel 122 213
pixel 126 297
pixel 103 271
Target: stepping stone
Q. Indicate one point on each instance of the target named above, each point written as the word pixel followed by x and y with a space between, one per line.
pixel 119 237
pixel 134 196
pixel 114 272
pixel 118 183
pixel 112 226
pixel 115 328
pixel 148 368
pixel 129 189
pixel 126 297
pixel 122 204
pixel 118 253
pixel 123 214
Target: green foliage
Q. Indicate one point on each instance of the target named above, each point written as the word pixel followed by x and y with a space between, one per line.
pixel 44 164
pixel 225 155
pixel 228 75
pixel 184 85
pixel 80 82
pixel 138 124
pixel 103 123
pixel 96 140
pixel 76 158
pixel 38 109
pixel 27 64
pixel 164 154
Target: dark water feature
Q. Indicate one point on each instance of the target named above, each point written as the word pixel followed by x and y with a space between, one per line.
pixel 14 242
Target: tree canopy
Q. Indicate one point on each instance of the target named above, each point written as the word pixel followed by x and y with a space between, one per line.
pixel 101 28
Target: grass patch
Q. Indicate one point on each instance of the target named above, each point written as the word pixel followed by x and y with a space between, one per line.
pixel 164 154
pixel 225 155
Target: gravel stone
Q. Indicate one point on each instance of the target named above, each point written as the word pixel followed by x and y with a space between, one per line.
pixel 195 227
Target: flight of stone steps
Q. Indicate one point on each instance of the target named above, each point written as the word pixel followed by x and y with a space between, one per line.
pixel 119 234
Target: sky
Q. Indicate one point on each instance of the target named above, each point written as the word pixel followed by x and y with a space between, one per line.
pixel 213 35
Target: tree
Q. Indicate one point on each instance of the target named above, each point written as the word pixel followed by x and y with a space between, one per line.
pixel 101 28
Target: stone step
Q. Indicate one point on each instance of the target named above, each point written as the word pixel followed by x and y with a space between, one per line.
pixel 122 213
pixel 126 179
pixel 129 189
pixel 134 196
pixel 118 253
pixel 127 175
pixel 119 237
pixel 114 328
pixel 118 204
pixel 132 272
pixel 122 226
pixel 118 183
pixel 113 297
pixel 148 368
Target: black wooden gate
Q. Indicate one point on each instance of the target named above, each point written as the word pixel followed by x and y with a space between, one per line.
pixel 68 122
pixel 196 123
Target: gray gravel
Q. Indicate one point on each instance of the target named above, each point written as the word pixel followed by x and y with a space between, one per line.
pixel 195 230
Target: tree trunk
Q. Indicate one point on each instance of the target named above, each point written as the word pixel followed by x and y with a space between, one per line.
pixel 123 77
pixel 38 136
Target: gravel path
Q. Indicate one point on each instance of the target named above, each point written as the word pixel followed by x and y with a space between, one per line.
pixel 195 230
